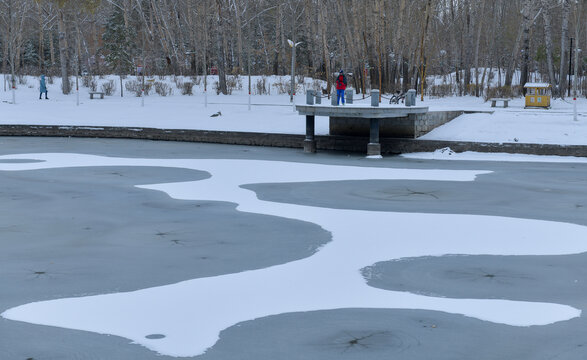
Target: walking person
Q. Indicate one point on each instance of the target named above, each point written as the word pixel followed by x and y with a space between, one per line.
pixel 43 88
pixel 340 87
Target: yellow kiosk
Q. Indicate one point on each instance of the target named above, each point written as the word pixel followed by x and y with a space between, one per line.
pixel 537 95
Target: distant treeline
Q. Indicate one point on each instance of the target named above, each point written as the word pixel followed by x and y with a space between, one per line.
pixel 387 44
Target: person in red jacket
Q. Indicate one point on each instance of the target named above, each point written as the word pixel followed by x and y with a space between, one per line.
pixel 340 87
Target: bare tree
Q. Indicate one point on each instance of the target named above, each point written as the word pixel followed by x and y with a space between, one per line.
pixel 220 56
pixel 564 36
pixel 546 15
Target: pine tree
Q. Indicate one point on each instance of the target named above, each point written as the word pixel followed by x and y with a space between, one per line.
pixel 118 43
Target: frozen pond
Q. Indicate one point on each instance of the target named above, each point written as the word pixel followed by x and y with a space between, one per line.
pixel 286 255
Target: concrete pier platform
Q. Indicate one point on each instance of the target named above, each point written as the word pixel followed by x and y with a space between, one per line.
pixel 370 115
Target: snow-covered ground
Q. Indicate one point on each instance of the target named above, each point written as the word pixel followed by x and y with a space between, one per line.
pixel 274 113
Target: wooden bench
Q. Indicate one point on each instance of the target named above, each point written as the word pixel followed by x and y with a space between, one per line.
pixel 495 100
pixel 96 93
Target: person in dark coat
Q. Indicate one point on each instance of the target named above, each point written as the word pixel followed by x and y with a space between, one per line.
pixel 340 87
pixel 43 88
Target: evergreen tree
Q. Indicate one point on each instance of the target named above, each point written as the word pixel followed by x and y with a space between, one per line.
pixel 118 43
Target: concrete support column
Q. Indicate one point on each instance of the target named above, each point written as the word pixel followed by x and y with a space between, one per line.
pixel 374 147
pixel 310 140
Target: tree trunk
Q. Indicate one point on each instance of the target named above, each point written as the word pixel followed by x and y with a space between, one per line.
pixel 512 61
pixel 220 52
pixel 64 52
pixel 422 49
pixel 41 40
pixel 322 15
pixel 239 36
pixel 548 43
pixel 477 41
pixel 278 37
pixel 468 45
pixel 564 35
pixel 526 23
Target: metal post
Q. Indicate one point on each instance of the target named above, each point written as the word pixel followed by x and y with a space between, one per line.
pixel 293 66
pixel 143 80
pixel 575 84
pixel 13 82
pixel 205 91
pixel 249 59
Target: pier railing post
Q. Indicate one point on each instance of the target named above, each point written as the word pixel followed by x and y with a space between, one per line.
pixel 348 96
pixel 374 97
pixel 310 97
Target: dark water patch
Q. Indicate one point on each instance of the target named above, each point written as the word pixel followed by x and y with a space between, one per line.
pixel 560 279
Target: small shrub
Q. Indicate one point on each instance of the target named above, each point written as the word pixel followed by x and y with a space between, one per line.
pixel 233 82
pixel 162 88
pixel 90 82
pixel 317 86
pixel 148 87
pixel 440 91
pixel 503 92
pixel 109 87
pixel 187 88
pixel 197 80
pixel 50 80
pixel 284 86
pixel 178 81
pixel 136 87
pixel 261 86
pixel 301 79
pixel 133 86
pixel 22 80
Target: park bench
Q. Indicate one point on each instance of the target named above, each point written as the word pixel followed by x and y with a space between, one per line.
pixel 92 93
pixel 495 100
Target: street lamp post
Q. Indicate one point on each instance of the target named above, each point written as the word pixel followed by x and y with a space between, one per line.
pixel 577 50
pixel 293 46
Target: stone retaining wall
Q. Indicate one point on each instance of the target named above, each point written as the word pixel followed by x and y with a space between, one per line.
pixel 411 126
pixel 354 144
